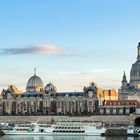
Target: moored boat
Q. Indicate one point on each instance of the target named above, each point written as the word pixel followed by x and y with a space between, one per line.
pixel 59 128
pixel 131 132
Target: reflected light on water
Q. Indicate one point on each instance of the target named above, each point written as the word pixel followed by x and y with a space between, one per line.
pixel 19 137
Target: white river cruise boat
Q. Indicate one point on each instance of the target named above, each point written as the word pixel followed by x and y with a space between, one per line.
pixel 59 128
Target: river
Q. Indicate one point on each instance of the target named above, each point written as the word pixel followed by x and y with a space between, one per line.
pixel 66 138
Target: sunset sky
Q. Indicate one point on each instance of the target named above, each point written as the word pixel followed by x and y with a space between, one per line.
pixel 70 42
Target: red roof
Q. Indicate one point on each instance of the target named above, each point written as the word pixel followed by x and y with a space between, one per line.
pixel 122 103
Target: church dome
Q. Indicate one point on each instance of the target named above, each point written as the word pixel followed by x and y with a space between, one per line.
pixel 34 84
pixel 135 70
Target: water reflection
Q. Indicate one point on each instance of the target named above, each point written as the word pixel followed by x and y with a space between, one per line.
pixel 66 138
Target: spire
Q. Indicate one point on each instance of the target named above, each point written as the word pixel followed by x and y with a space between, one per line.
pixel 124 80
pixel 35 71
pixel 124 76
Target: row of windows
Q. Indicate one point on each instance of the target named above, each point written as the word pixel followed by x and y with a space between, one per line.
pixel 119 103
pixel 22 129
pixel 67 127
pixel 70 94
pixel 23 125
pixel 61 131
pixel 45 125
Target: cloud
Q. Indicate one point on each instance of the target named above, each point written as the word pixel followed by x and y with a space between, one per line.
pixel 100 70
pixel 76 80
pixel 38 49
pixel 86 73
pixel 72 73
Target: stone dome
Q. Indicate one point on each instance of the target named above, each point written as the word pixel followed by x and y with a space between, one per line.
pixel 135 70
pixel 34 83
pixel 50 88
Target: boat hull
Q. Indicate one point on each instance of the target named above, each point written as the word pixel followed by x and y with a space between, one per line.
pixel 53 134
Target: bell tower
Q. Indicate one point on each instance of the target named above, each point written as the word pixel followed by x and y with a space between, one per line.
pixel 124 80
pixel 138 57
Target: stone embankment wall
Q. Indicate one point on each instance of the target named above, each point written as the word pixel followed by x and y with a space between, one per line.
pixel 106 119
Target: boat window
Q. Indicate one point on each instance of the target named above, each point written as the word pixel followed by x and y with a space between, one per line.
pixel 41 130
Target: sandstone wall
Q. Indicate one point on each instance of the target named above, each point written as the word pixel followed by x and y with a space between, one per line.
pixel 106 119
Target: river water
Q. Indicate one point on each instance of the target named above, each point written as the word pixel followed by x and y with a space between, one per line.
pixel 66 138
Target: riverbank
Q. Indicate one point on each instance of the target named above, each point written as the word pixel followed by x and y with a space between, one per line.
pixel 124 120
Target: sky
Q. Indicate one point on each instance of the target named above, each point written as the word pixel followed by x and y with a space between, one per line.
pixel 70 42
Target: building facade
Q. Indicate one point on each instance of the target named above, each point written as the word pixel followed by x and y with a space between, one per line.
pixel 40 100
pixel 120 107
pixel 45 100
